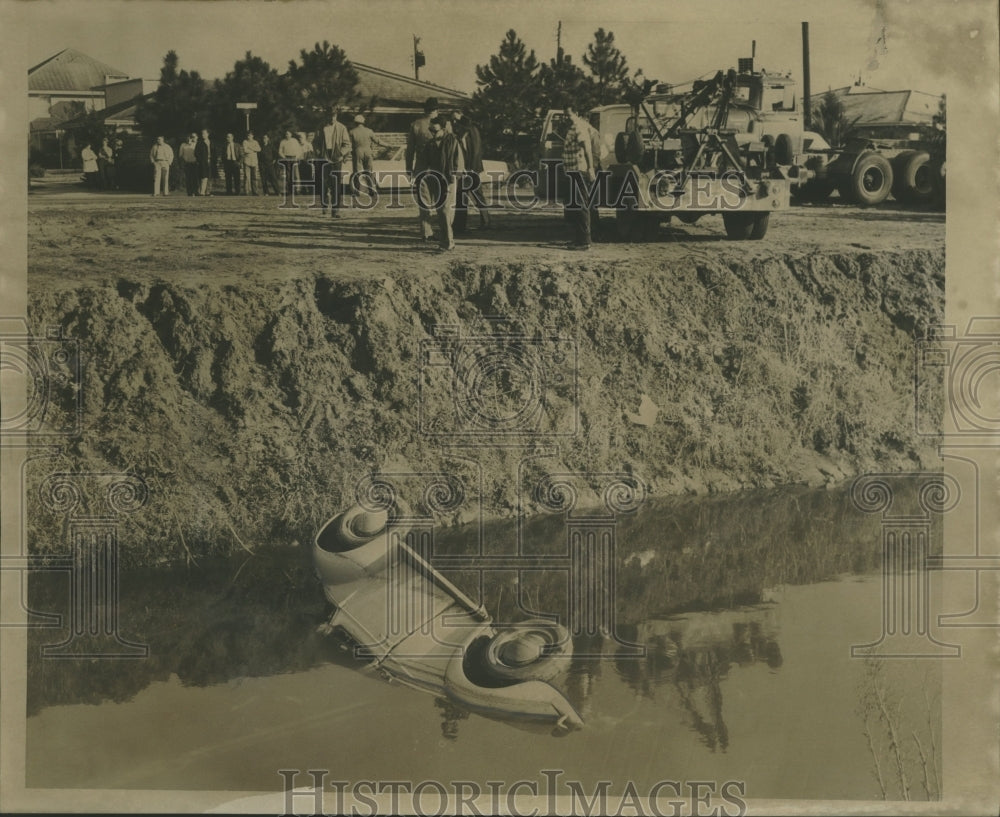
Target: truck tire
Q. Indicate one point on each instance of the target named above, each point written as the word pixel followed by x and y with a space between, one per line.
pixel 759 226
pixel 626 223
pixel 649 226
pixel 898 161
pixel 739 226
pixel 784 152
pixel 815 191
pixel 629 148
pixel 914 180
pixel 621 147
pixel 871 180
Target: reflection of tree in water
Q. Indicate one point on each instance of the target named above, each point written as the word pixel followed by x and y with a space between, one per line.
pixel 901 725
pixel 451 715
pixel 208 625
pixel 691 656
pixel 584 670
pixel 701 672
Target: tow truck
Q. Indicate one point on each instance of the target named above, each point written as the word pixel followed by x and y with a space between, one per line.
pixel 707 152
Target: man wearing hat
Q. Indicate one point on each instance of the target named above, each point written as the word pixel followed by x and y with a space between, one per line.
pixel 363 154
pixel 417 139
pixel 472 146
pixel 333 143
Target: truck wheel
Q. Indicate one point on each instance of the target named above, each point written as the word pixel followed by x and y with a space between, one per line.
pixel 629 148
pixel 814 190
pixel 625 223
pixel 650 226
pixel 871 181
pixel 784 152
pixel 915 178
pixel 898 163
pixel 739 226
pixel 621 147
pixel 938 181
pixel 759 226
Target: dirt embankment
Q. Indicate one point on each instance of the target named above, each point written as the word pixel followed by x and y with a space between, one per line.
pixel 253 410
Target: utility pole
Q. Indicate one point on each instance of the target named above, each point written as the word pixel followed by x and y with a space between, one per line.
pixel 418 57
pixel 806 91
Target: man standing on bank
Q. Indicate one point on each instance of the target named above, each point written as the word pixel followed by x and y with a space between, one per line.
pixel 203 156
pixel 268 179
pixel 578 161
pixel 251 148
pixel 444 156
pixel 161 157
pixel 363 154
pixel 189 164
pixel 335 147
pixel 417 139
pixel 232 158
pixel 472 144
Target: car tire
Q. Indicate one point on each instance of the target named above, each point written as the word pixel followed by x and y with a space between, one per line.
pixel 530 650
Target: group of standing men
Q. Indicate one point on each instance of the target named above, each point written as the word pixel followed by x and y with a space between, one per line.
pixel 243 164
pixel 450 146
pixel 99 165
pixel 447 144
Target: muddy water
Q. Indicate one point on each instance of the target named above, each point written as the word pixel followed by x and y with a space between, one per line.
pixel 747 605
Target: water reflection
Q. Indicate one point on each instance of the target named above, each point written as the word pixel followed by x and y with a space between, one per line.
pixel 257 615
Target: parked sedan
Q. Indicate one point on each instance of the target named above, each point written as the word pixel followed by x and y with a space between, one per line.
pixel 391 173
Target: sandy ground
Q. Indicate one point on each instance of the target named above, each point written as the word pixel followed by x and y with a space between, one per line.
pixel 78 236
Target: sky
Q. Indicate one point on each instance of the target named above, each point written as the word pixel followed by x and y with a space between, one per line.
pixel 671 40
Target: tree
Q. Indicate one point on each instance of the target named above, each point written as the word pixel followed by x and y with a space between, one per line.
pixel 179 106
pixel 563 82
pixel 251 80
pixel 829 118
pixel 508 101
pixel 608 68
pixel 324 80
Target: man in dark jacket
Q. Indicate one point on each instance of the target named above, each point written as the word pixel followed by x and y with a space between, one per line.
pixel 472 144
pixel 203 158
pixel 443 156
pixel 417 138
pixel 268 178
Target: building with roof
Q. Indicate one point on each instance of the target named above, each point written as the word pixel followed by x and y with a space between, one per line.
pixel 69 77
pixel 65 89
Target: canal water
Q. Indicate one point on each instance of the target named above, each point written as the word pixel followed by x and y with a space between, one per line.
pixel 747 607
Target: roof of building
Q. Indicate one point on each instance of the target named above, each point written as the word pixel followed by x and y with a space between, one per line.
pixel 391 89
pixel 71 71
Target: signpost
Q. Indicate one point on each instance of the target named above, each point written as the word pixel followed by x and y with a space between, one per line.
pixel 247 107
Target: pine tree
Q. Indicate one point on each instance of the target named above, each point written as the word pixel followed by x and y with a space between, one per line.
pixel 251 80
pixel 829 119
pixel 562 82
pixel 325 80
pixel 507 104
pixel 179 105
pixel 608 68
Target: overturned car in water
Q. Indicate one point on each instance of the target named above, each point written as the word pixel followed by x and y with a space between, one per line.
pixel 413 626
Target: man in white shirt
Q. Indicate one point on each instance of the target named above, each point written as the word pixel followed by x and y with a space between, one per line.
pixel 232 156
pixel 251 147
pixel 289 149
pixel 161 157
